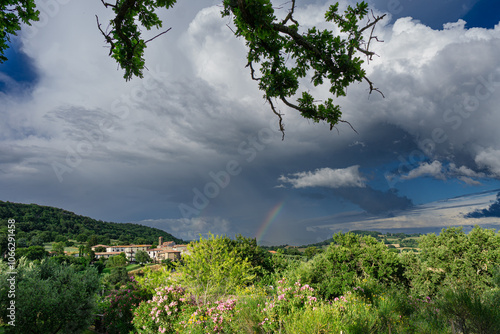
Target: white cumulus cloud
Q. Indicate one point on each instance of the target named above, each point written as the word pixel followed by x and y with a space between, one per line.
pixel 434 169
pixel 490 158
pixel 327 177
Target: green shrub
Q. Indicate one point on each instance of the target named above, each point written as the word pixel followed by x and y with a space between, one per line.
pixel 286 302
pixel 215 267
pixel 453 259
pixel 471 311
pixel 322 318
pixel 248 310
pixel 50 297
pixel 152 279
pixel 352 259
pixel 119 305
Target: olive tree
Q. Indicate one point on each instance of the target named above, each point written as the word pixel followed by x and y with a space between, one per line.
pixel 48 297
pixel 142 257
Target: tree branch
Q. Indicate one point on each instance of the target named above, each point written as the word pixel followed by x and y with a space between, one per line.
pixel 106 36
pixel 118 20
pixel 252 71
pixel 282 126
pixel 289 16
pixel 366 51
pixel 302 41
pixel 304 110
pixel 372 88
pixel 149 40
pixel 341 120
pixel 378 18
pixel 108 4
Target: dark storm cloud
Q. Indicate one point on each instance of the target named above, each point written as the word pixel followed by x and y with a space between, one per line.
pixel 492 211
pixel 314 196
pixel 375 201
pixel 197 110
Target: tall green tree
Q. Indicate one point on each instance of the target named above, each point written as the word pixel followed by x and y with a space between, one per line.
pixel 142 257
pixel 118 271
pixel 58 248
pixel 214 267
pixel 49 297
pixel 259 258
pixel 32 253
pixel 116 261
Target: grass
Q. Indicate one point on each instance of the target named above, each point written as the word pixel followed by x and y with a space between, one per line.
pixel 131 267
pixel 72 249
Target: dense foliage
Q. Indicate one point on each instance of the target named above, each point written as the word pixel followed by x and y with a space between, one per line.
pixel 453 259
pixel 118 307
pixel 348 261
pixel 49 297
pixel 219 265
pixel 319 55
pixel 355 285
pixel 12 14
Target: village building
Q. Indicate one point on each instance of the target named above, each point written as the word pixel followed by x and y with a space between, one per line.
pixel 166 250
pixel 154 253
pixel 98 246
pixel 105 255
pixel 169 254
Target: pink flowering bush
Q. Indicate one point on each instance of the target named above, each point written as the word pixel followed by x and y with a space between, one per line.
pixel 160 314
pixel 119 305
pixel 289 299
pixel 216 318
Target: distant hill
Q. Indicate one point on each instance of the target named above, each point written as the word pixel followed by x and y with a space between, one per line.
pixel 377 235
pixel 47 222
pixel 329 241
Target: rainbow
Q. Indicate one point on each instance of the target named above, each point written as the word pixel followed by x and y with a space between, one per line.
pixel 269 219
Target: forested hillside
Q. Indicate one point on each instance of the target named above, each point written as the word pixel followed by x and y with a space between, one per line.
pixel 44 224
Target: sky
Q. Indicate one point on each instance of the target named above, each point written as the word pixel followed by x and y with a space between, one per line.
pixel 193 148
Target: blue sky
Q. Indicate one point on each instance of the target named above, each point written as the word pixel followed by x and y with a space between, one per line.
pixel 193 147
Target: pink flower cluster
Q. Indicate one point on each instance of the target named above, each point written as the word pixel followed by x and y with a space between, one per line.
pixel 212 317
pixel 287 298
pixel 342 298
pixel 160 312
pixel 166 301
